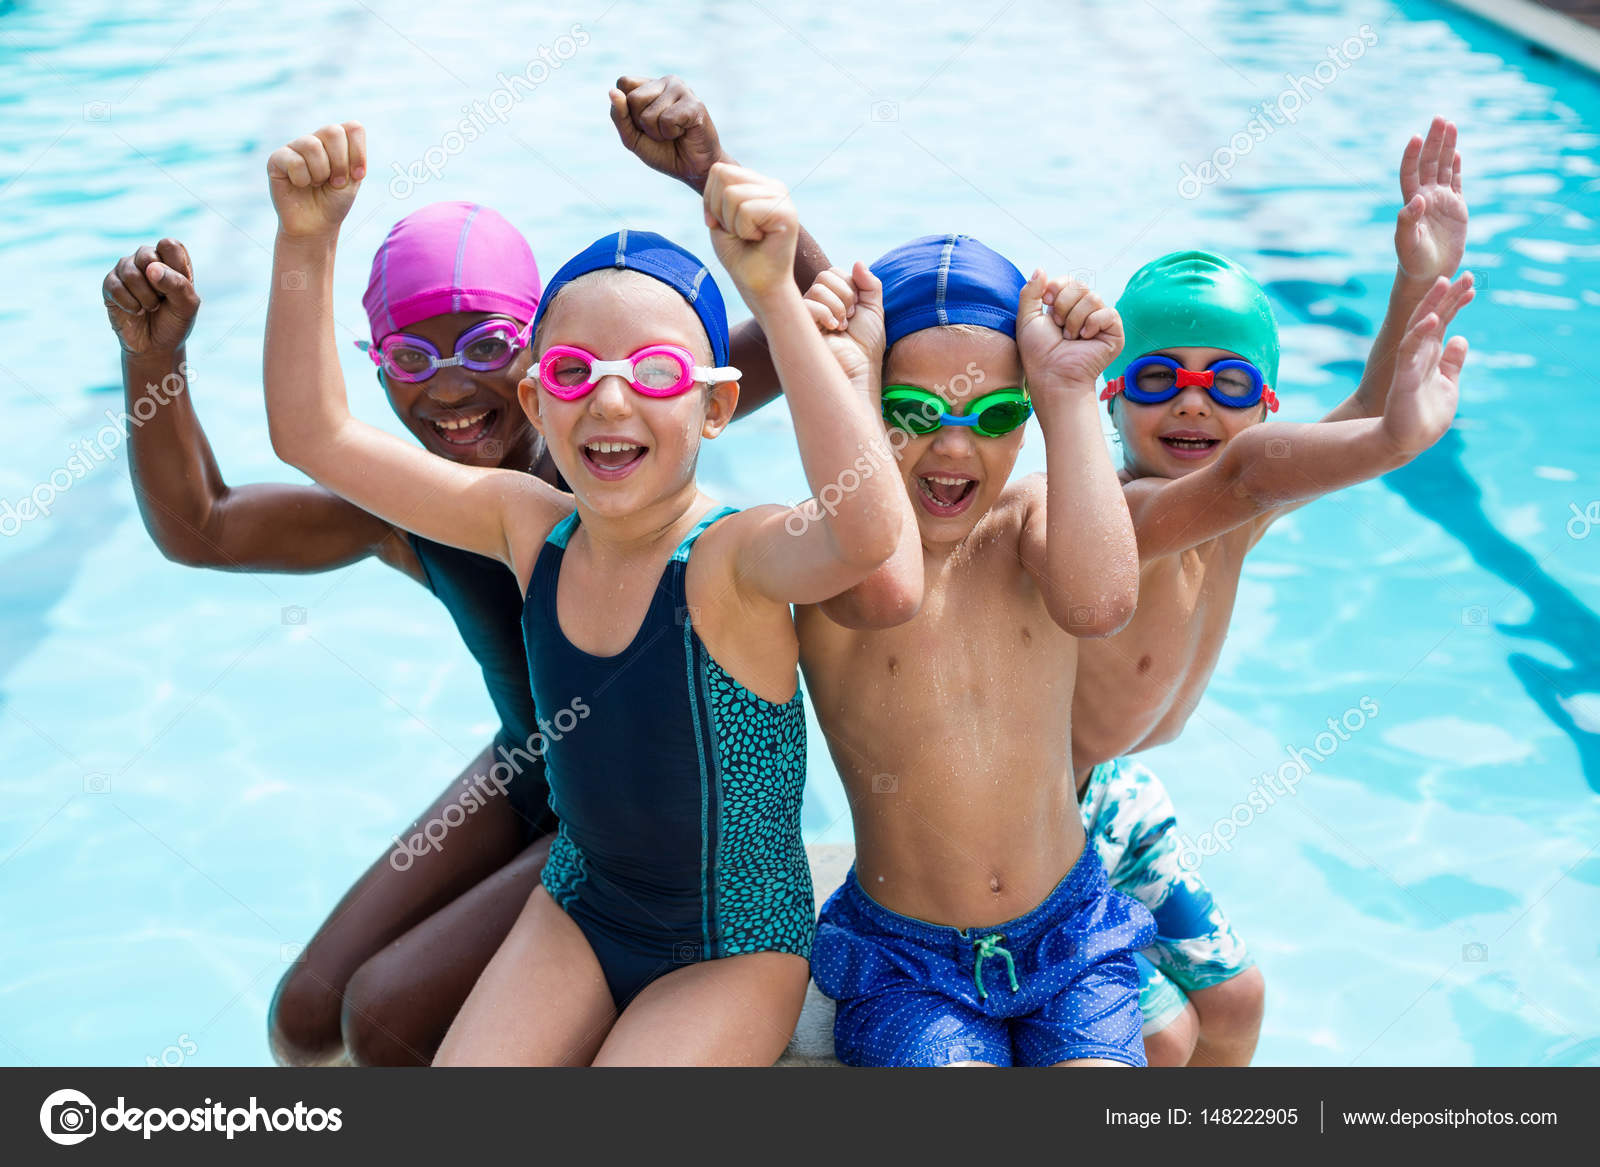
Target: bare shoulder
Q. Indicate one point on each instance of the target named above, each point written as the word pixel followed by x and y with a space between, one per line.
pixel 1018 502
pixel 1141 492
pixel 724 538
pixel 532 509
pixel 751 635
pixel 1027 490
pixel 720 545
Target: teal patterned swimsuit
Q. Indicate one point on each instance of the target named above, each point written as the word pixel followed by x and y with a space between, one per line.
pixel 1129 820
pixel 678 790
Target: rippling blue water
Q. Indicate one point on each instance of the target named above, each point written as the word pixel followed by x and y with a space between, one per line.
pixel 187 783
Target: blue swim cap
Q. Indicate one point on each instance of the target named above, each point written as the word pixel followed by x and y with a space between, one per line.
pixel 660 258
pixel 947 279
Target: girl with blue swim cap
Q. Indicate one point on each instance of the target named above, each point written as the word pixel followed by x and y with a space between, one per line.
pixel 383 977
pixel 1205 474
pixel 677 887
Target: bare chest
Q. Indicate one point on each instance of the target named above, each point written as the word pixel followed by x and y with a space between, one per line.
pixel 1147 679
pixel 981 651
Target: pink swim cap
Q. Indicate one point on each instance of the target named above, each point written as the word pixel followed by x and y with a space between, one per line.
pixel 450 257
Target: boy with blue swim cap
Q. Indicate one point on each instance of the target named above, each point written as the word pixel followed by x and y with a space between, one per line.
pixel 1204 476
pixel 976 927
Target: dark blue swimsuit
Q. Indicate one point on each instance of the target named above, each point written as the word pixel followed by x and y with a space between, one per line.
pixel 481 596
pixel 678 790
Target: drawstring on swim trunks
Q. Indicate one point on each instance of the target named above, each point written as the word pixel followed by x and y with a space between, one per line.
pixel 988 946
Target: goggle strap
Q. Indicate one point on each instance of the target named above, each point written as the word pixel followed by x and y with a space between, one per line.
pixel 712 376
pixel 1112 388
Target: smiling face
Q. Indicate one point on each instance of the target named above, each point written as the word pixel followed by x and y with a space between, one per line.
pixel 953 475
pixel 1181 435
pixel 622 451
pixel 466 416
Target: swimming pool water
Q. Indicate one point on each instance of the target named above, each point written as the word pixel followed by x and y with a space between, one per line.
pixel 194 766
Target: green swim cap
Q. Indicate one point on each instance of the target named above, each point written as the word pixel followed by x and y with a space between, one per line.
pixel 1197 299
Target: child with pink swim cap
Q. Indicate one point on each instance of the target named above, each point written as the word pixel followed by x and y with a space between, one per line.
pixel 384 976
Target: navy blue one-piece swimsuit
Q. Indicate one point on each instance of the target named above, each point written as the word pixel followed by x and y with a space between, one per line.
pixel 481 596
pixel 677 789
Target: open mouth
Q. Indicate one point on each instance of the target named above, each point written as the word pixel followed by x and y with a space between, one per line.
pixel 946 495
pixel 466 428
pixel 611 460
pixel 1189 445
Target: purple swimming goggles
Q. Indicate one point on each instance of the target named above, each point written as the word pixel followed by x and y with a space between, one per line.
pixel 481 348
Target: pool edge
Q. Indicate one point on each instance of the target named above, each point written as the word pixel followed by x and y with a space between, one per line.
pixel 1556 32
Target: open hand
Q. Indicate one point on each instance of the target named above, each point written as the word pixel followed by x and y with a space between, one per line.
pixel 848 308
pixel 1427 376
pixel 754 227
pixel 314 179
pixel 667 126
pixel 150 298
pixel 1067 335
pixel 1430 234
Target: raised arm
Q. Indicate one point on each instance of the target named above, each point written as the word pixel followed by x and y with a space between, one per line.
pixel 804 554
pixel 496 513
pixel 847 308
pixel 1275 465
pixel 191 513
pixel 1430 236
pixel 662 122
pixel 1077 541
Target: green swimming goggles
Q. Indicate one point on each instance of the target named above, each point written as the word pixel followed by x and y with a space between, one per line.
pixel 917 411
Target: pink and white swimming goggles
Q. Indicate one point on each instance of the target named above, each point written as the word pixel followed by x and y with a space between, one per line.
pixel 657 370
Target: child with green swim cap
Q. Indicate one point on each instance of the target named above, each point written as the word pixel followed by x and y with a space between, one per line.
pixel 1205 475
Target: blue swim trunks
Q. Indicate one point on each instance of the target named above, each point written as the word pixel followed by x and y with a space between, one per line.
pixel 1054 984
pixel 1130 822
